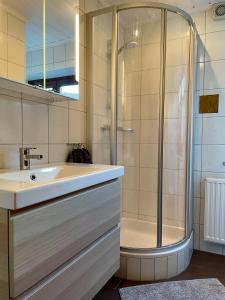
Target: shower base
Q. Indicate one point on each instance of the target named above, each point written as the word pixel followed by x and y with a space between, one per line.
pixel 140 260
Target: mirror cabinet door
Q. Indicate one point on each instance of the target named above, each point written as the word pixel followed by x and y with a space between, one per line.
pixel 38 44
pixel 60 28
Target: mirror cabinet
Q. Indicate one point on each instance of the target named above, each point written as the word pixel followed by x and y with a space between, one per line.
pixel 39 44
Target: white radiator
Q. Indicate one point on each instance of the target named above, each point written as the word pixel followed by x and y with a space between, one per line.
pixel 214 224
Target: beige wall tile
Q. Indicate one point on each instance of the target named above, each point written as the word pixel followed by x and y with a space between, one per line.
pixel 35 122
pixel 10 120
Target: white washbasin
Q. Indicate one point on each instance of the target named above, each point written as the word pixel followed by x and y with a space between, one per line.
pixel 19 189
pixel 49 173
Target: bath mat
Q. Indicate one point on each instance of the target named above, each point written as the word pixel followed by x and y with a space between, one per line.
pixel 197 289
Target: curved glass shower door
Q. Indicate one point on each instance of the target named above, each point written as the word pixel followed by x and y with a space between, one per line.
pixel 139 78
pixel 139 39
pixel 175 138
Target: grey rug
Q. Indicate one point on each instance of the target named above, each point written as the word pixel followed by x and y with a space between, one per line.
pixel 198 289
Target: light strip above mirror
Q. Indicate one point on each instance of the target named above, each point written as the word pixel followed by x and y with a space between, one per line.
pixel 77 44
pixel 44 44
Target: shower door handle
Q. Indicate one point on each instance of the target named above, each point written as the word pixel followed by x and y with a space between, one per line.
pixel 120 128
pixel 124 129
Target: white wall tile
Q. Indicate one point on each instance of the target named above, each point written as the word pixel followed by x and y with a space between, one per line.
pixel 150 56
pixel 3 20
pixel 16 51
pixel 150 106
pixel 175 131
pixel 215 44
pixel 148 179
pixel 101 153
pixel 16 27
pixel 148 203
pixel 35 122
pixel 9 156
pixel 77 127
pixel 147 269
pixel 161 268
pixel 58 124
pixel 149 131
pixel 172 265
pixel 4 46
pixel 130 201
pixel 131 178
pixel 132 59
pixel 214 74
pixel 150 82
pixel 174 156
pixel 175 105
pixel 132 108
pixel 212 133
pixel 58 152
pixel 132 84
pixel 176 79
pixel 133 268
pixel 212 158
pixel 131 155
pixel 151 34
pixel 149 155
pixel 10 120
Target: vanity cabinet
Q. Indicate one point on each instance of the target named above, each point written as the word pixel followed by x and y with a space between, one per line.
pixel 65 248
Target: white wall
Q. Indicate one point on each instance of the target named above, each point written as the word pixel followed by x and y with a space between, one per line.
pixel 209 128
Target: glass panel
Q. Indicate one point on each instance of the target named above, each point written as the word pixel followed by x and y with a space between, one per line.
pixel 175 129
pixel 138 111
pixel 62 23
pixel 101 88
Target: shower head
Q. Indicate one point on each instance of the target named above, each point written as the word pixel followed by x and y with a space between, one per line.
pixel 127 45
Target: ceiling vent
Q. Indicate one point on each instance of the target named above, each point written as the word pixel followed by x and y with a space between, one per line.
pixel 218 11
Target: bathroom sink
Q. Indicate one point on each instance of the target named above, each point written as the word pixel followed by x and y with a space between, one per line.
pixel 19 189
pixel 49 173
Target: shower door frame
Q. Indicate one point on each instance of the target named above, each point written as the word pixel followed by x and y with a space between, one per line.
pixel 114 10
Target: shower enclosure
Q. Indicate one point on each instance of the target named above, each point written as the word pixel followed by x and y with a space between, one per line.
pixel 140 88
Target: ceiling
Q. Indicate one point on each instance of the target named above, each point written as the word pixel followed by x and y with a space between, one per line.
pixel 59 18
pixel 187 5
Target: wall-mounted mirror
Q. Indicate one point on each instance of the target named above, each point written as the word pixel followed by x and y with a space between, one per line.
pixel 38 44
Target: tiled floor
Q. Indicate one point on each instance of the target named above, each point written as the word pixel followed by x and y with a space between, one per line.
pixel 203 265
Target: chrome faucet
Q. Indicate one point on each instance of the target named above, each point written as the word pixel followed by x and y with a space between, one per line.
pixel 25 157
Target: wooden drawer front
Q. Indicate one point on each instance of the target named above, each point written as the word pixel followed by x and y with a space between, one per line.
pixel 83 276
pixel 44 238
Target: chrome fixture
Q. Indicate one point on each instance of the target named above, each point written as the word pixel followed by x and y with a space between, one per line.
pixel 123 129
pixel 130 44
pixel 25 157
